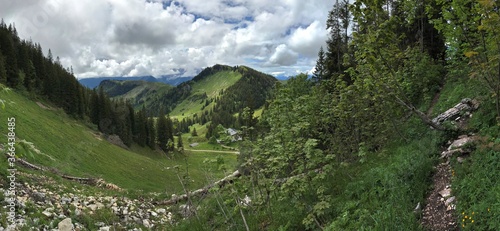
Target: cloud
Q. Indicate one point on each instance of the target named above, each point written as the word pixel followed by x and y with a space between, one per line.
pixel 155 37
pixel 306 41
pixel 283 56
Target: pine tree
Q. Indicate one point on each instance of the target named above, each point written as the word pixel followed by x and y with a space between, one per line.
pixel 141 130
pixel 29 79
pixel 194 133
pixel 162 132
pixel 151 133
pixel 3 73
pixel 319 70
pixel 180 144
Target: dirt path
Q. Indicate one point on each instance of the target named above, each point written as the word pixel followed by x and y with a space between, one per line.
pixel 434 101
pixel 439 211
pixel 214 151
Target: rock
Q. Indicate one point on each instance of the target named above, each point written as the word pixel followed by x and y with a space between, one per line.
pixel 161 211
pixel 106 228
pixel 65 225
pixel 78 212
pixel 461 142
pixel 39 197
pixel 246 201
pixel 449 153
pixel 47 213
pixel 136 219
pixel 445 192
pixel 146 223
pixel 418 209
pixel 65 200
pixel 99 224
pixel 93 207
pixel 460 160
pixel 154 214
pixel 100 205
pixel 449 201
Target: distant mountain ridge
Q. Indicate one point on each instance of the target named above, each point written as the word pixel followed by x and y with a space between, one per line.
pixel 173 80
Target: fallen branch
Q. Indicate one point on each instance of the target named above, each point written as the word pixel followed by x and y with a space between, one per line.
pixel 202 191
pixel 88 181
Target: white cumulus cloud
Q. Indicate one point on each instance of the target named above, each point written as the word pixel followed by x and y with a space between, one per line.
pixel 155 37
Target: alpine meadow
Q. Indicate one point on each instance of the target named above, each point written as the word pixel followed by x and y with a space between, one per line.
pixel 388 118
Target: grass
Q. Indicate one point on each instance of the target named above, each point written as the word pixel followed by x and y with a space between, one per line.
pixel 75 149
pixel 211 85
pixel 477 187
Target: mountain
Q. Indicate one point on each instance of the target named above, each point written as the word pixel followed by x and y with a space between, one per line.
pixel 167 79
pixel 138 92
pixel 219 85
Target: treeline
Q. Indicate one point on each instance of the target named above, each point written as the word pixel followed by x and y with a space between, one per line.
pixel 24 67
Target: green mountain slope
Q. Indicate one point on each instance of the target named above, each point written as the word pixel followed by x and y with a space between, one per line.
pixel 139 93
pixel 47 136
pixel 203 89
pixel 218 95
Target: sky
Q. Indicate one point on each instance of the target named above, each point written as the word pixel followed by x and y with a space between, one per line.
pixel 155 37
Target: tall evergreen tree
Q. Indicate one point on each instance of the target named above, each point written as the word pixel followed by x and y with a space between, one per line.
pixel 180 144
pixel 164 131
pixel 319 70
pixel 3 72
pixel 151 133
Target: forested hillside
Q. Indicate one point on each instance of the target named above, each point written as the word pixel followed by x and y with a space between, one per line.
pixel 24 68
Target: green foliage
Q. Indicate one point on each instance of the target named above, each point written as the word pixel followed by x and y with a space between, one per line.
pixel 471 30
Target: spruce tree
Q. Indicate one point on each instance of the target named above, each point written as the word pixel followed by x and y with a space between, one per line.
pixel 3 73
pixel 319 70
pixel 162 132
pixel 180 144
pixel 151 133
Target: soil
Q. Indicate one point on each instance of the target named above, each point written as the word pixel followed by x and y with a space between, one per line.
pixel 436 214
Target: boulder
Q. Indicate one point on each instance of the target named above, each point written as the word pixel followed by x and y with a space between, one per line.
pixel 65 225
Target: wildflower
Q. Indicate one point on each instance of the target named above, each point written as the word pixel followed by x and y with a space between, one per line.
pixel 464 212
pixel 472 221
pixel 466 217
pixel 488 209
pixel 472 213
pixel 463 225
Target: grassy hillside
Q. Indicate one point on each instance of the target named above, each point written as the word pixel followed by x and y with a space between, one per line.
pixel 211 86
pixel 47 136
pixel 138 92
